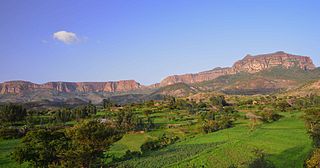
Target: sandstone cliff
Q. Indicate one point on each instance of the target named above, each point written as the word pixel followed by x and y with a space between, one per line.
pixel 18 87
pixel 249 64
pixel 258 63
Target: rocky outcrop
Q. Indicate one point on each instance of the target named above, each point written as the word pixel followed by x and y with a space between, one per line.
pixel 249 64
pixel 13 87
pixel 253 64
pixel 198 77
pixel 316 85
pixel 18 87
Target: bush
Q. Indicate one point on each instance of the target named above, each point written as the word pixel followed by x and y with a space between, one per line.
pixel 312 119
pixel 159 143
pixel 314 161
pixel 260 161
pixel 268 115
pixel 12 113
pixel 10 133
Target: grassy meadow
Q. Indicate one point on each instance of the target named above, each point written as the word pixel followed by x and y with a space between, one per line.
pixel 284 142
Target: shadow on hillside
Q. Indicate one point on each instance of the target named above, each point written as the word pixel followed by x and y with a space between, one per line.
pixel 169 155
pixel 292 157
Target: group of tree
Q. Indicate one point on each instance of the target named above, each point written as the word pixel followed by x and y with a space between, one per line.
pixel 216 120
pixel 127 120
pixel 82 145
pixel 312 119
pixel 220 116
pixel 158 143
pixel 11 117
pixel 68 114
pixel 268 115
pixel 11 113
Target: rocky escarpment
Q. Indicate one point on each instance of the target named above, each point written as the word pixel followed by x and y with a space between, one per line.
pixel 249 64
pixel 18 87
pixel 253 64
pixel 195 78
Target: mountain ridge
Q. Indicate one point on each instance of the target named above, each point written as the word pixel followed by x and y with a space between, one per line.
pixel 249 63
pixel 19 86
pixel 263 73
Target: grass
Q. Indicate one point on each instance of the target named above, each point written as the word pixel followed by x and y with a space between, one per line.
pixel 130 142
pixel 6 147
pixel 285 143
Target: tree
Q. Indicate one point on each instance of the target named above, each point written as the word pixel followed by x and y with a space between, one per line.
pixel 282 105
pixel 147 112
pixel 214 121
pixel 80 146
pixel 172 103
pixel 40 148
pixel 269 115
pixel 312 119
pixel 126 120
pixel 89 140
pixel 107 104
pixel 12 113
pixel 218 101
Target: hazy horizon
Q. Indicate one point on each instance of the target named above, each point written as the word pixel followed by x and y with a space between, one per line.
pixel 43 41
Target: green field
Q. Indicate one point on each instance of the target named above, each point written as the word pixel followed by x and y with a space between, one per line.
pixel 285 142
pixel 6 147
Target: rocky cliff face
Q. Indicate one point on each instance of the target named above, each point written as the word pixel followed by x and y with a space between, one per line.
pixel 18 87
pixel 258 63
pixel 249 64
pixel 14 87
pixel 198 77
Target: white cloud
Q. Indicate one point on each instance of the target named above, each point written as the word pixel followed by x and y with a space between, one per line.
pixel 66 37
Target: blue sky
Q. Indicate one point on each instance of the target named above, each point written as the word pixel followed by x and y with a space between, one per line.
pixel 147 40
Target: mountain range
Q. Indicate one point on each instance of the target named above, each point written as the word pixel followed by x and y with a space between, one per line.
pixel 259 74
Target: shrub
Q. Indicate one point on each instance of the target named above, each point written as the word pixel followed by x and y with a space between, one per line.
pixel 12 113
pixel 164 141
pixel 312 119
pixel 260 161
pixel 314 161
pixel 268 115
pixel 10 133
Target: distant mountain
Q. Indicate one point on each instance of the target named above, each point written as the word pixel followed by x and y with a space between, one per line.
pixel 18 87
pixel 177 89
pixel 58 92
pixel 260 74
pixel 249 64
pixel 264 82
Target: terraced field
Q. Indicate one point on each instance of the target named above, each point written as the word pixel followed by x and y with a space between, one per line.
pixel 285 143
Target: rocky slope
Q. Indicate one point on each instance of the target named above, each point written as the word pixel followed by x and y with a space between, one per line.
pixel 263 82
pixel 20 87
pixel 306 89
pixel 249 64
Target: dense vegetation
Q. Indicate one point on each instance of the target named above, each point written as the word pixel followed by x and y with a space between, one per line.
pixel 217 131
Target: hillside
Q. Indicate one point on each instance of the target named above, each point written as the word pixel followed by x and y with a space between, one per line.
pixel 287 145
pixel 306 89
pixel 260 74
pixel 267 81
pixel 178 89
pixel 249 64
